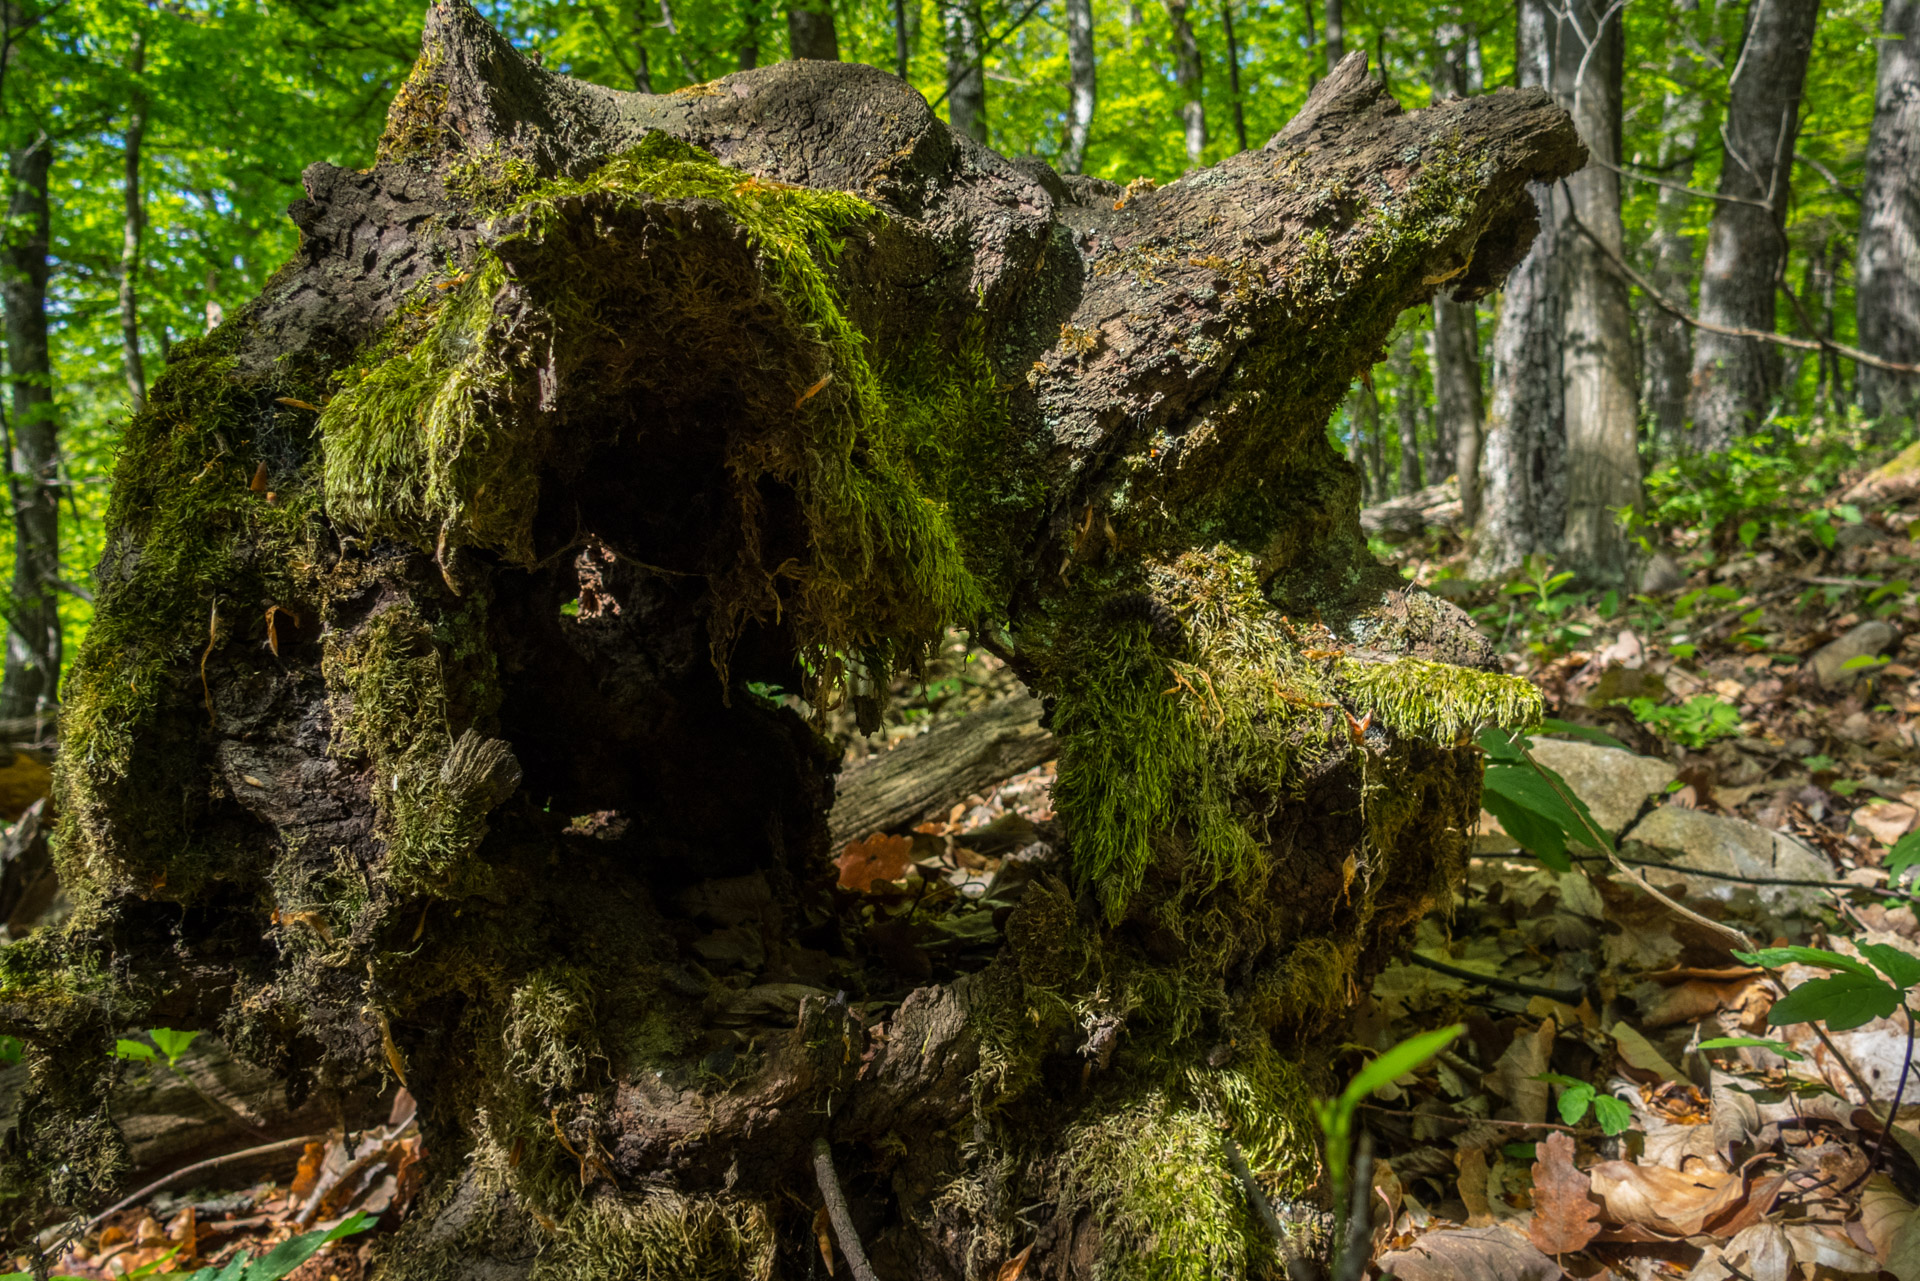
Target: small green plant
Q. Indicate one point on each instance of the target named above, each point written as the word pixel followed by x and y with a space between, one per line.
pixel 1781 1048
pixel 1700 720
pixel 1533 803
pixel 1335 1116
pixel 1856 992
pixel 271 1266
pixel 170 1044
pixel 11 1049
pixel 1904 854
pixel 1576 1097
pixel 1548 628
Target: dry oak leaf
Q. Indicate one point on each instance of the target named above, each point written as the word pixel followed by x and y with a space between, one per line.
pixel 1758 1252
pixel 1666 1201
pixel 877 858
pixel 1563 1214
pixel 1483 1254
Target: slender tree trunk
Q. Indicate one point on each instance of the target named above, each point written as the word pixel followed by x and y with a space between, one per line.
pixel 642 68
pixel 31 682
pixel 902 52
pixel 810 32
pixel 753 18
pixel 1735 378
pixel 1306 15
pixel 1887 260
pixel 1668 341
pixel 1187 68
pixel 1363 421
pixel 1233 73
pixel 965 32
pixel 1336 28
pixel 1082 71
pixel 133 226
pixel 1454 343
pixel 1523 508
pixel 1603 463
pixel 1406 404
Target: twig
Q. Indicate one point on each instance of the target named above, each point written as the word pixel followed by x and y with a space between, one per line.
pixel 837 1212
pixel 1732 331
pixel 1298 1269
pixel 1893 1112
pixel 1354 1251
pixel 1566 996
pixel 1578 1131
pixel 212 1162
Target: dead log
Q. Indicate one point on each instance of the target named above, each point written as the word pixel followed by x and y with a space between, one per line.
pixel 923 776
pixel 1408 516
pixel 428 723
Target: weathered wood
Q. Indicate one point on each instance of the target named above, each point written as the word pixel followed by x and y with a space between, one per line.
pixel 923 776
pixel 586 420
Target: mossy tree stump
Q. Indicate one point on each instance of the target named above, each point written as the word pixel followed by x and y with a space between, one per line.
pixel 583 418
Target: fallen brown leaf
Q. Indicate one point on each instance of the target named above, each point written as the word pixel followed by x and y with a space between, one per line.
pixel 1012 1268
pixel 1563 1215
pixel 1665 1201
pixel 1484 1254
pixel 877 858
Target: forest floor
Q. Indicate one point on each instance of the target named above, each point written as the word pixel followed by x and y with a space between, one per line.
pixel 1756 718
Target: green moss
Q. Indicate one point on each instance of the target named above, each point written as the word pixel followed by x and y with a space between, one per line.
pixel 1439 702
pixel 660 1236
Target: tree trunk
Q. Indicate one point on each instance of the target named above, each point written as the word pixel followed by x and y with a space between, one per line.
pixel 1363 445
pixel 753 17
pixel 1456 394
pixel 1734 379
pixel 810 32
pixel 1336 34
pixel 902 41
pixel 1187 68
pixel 1668 340
pixel 1598 378
pixel 966 36
pixel 1233 73
pixel 1407 403
pixel 1887 263
pixel 1082 73
pixel 30 686
pixel 460 753
pixel 133 226
pixel 1523 508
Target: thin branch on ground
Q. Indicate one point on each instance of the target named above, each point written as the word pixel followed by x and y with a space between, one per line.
pixel 838 1214
pixel 1564 995
pixel 1298 1269
pixel 198 1167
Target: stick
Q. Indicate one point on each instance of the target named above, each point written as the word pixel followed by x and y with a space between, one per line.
pixel 1298 1269
pixel 1564 995
pixel 837 1212
pixel 212 1162
pixel 1893 1111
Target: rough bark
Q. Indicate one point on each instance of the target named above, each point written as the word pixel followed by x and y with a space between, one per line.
pixel 1666 338
pixel 1233 73
pixel 455 758
pixel 1887 257
pixel 1600 395
pixel 1734 379
pixel 1083 85
pixel 965 30
pixel 924 776
pixel 1188 66
pixel 810 31
pixel 1457 400
pixel 30 685
pixel 1523 496
pixel 133 227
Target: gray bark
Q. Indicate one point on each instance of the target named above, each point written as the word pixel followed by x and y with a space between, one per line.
pixel 1083 87
pixel 1887 259
pixel 1233 72
pixel 1187 70
pixel 1668 340
pixel 1336 34
pixel 1600 395
pixel 965 30
pixel 922 777
pixel 133 227
pixel 810 31
pixel 30 685
pixel 1456 394
pixel 1523 508
pixel 1363 443
pixel 1735 379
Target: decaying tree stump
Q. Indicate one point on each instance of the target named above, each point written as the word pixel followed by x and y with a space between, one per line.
pixel 436 722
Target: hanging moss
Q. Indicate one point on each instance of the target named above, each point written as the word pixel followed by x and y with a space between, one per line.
pixel 1438 701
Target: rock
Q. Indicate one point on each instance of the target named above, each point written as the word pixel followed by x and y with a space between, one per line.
pixel 1618 683
pixel 1863 641
pixel 1662 574
pixel 1616 785
pixel 1689 838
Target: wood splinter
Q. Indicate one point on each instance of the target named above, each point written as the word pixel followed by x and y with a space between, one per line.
pixel 843 1232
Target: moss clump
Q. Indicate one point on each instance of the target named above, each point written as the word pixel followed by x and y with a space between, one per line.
pixel 1438 702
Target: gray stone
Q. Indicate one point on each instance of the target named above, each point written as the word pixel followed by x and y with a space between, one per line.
pixel 1687 838
pixel 1661 575
pixel 1616 785
pixel 1863 641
